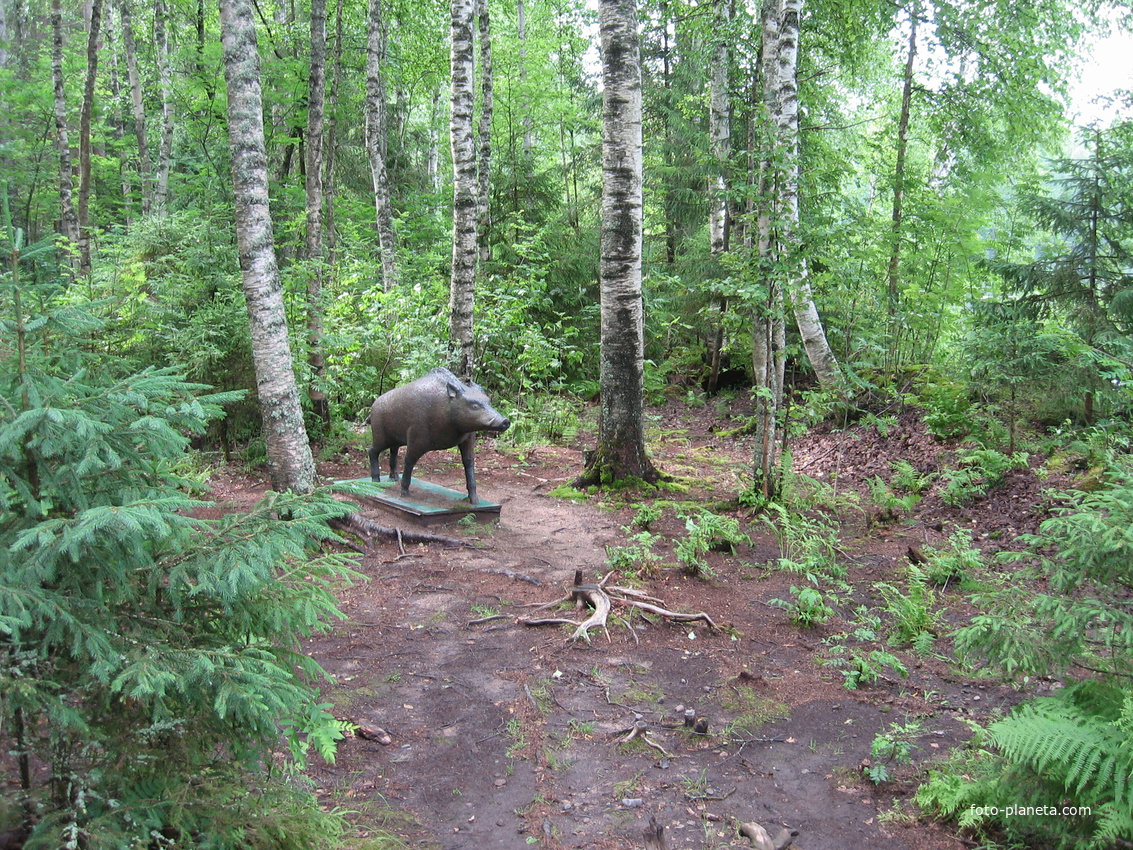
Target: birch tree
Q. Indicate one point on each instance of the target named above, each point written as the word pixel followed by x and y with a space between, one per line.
pixel 289 453
pixel 484 160
pixel 137 104
pixel 69 219
pixel 621 432
pixel 376 144
pixel 462 353
pixel 316 96
pixel 720 136
pixel 786 120
pixel 86 112
pixel 165 79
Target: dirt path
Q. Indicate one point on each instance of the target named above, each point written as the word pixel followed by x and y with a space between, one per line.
pixel 506 736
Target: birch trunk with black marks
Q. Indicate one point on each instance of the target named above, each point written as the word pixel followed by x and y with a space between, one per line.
pixel 786 120
pixel 484 162
pixel 69 220
pixel 86 113
pixel 720 134
pixel 894 274
pixel 289 453
pixel 462 349
pixel 137 104
pixel 165 81
pixel 376 143
pixel 316 98
pixel 768 326
pixel 620 453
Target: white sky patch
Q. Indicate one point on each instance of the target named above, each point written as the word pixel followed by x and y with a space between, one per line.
pixel 1106 68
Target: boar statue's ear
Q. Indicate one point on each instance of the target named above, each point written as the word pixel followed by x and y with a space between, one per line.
pixel 455 387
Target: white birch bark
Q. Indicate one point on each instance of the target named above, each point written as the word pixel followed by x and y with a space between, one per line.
pixel 289 453
pixel 86 113
pixel 165 81
pixel 376 145
pixel 464 243
pixel 621 432
pixel 137 104
pixel 786 119
pixel 484 160
pixel 69 220
pixel 316 97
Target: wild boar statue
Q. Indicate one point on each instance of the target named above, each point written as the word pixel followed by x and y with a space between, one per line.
pixel 437 411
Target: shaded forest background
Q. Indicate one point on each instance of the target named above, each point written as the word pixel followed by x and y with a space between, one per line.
pixel 966 247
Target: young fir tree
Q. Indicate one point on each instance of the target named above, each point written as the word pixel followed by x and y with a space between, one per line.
pixel 149 669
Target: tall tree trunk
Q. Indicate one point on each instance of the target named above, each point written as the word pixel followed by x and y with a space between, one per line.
pixel 768 327
pixel 376 134
pixel 86 113
pixel 720 134
pixel 621 431
pixel 899 187
pixel 316 95
pixel 525 103
pixel 69 220
pixel 145 164
pixel 165 80
pixel 484 162
pixel 462 353
pixel 289 453
pixel 786 119
pixel 331 147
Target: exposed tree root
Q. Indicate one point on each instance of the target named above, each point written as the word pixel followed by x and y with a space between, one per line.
pixel 601 599
pixel 368 529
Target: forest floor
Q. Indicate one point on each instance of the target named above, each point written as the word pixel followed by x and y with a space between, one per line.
pixel 505 735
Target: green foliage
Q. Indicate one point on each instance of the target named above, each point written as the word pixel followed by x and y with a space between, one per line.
pixel 1081 613
pixel 893 746
pixel 911 611
pixel 863 668
pixel 808 608
pixel 980 470
pixel 646 514
pixel 807 542
pixel 637 559
pixel 151 660
pixel 1057 772
pixel 890 505
pixel 707 531
pixel 907 480
pixel 956 562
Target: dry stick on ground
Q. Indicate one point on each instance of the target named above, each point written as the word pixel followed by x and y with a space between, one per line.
pixel 601 599
pixel 640 731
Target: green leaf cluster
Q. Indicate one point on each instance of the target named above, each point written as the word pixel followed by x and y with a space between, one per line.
pixel 149 655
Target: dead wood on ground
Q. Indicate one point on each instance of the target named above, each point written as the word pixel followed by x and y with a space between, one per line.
pixel 601 599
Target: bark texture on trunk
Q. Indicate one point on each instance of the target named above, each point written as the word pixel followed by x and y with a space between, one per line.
pixel 316 95
pixel 165 79
pixel 137 104
pixel 786 119
pixel 462 353
pixel 484 162
pixel 289 453
pixel 69 219
pixel 86 113
pixel 621 432
pixel 376 118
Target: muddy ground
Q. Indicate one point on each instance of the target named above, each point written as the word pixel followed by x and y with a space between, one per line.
pixel 504 735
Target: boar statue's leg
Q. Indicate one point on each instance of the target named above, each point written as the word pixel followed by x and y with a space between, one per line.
pixel 375 467
pixel 468 457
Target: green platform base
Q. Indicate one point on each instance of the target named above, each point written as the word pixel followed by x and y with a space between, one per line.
pixel 427 503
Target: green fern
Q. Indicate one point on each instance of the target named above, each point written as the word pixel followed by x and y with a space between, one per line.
pixel 1086 753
